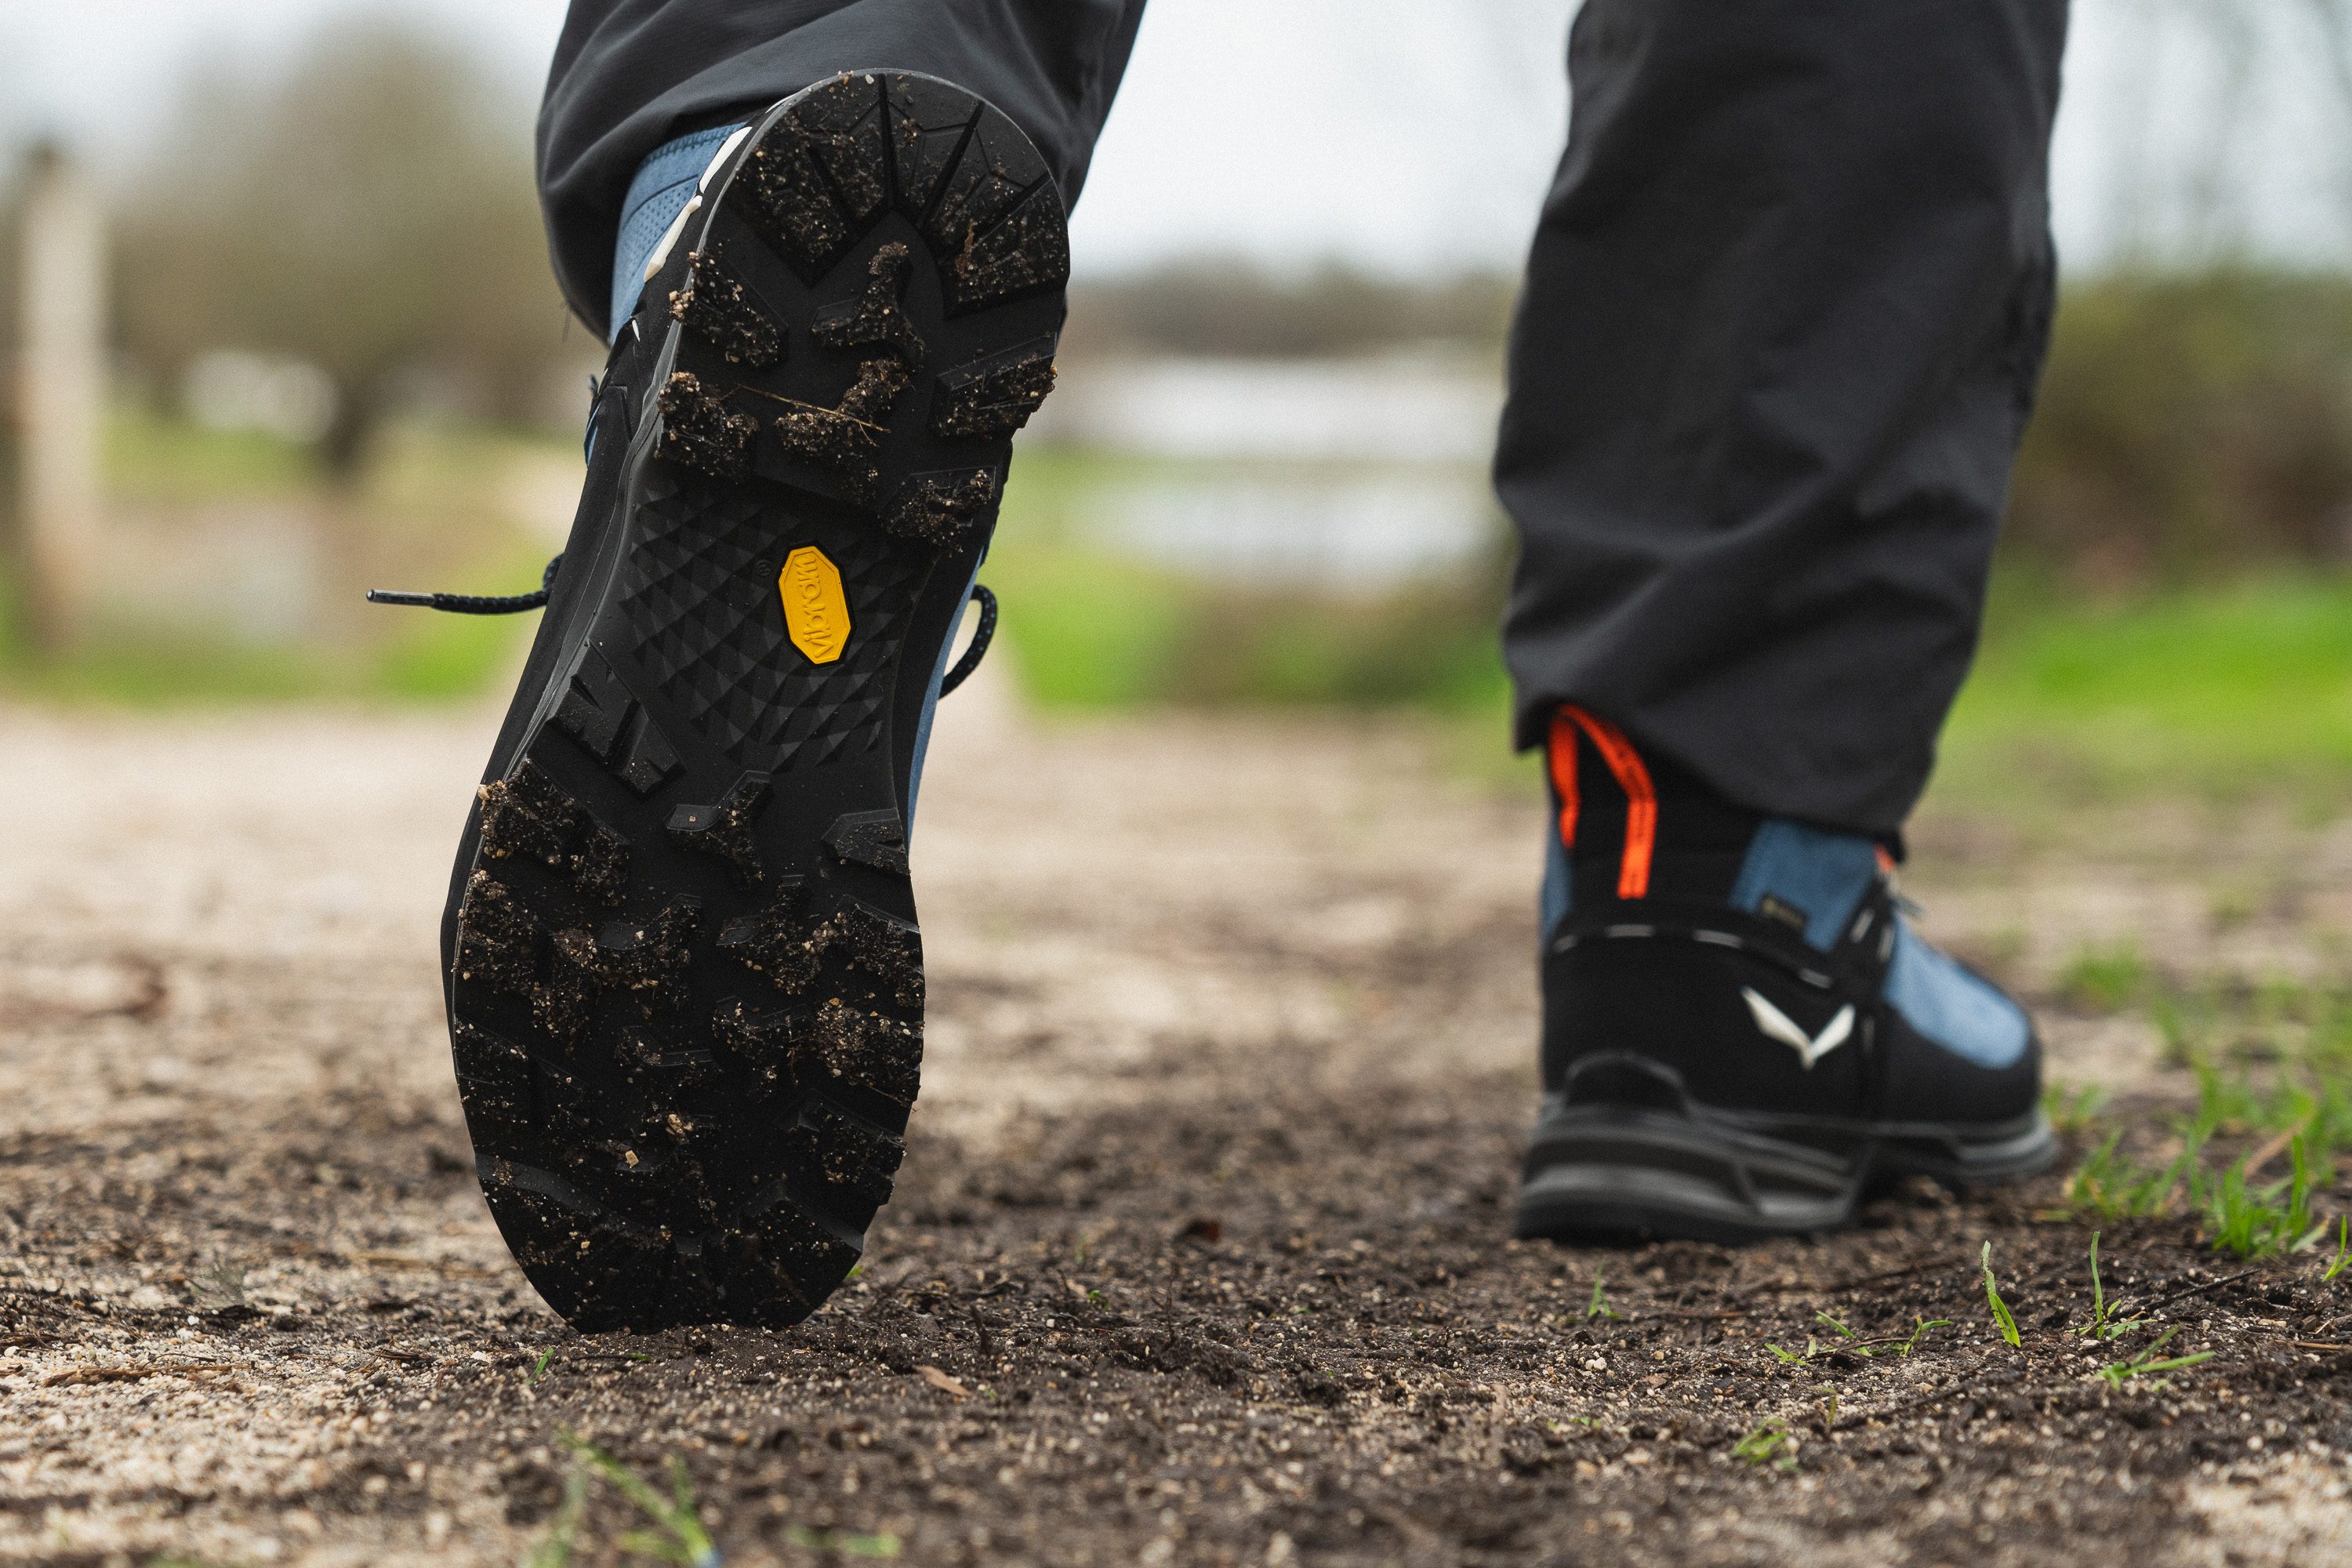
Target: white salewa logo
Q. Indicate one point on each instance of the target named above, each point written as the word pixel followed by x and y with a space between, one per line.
pixel 1777 1025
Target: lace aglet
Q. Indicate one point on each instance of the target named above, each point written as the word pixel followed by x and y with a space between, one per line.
pixel 397 597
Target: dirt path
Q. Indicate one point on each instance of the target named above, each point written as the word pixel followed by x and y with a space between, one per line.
pixel 1198 1237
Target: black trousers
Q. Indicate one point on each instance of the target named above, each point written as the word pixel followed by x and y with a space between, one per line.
pixel 1783 317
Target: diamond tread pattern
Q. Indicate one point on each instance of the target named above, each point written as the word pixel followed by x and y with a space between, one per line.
pixel 686 981
pixel 727 664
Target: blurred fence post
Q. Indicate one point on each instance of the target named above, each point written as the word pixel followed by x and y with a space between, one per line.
pixel 60 399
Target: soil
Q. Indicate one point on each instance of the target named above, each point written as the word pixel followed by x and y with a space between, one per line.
pixel 1200 1253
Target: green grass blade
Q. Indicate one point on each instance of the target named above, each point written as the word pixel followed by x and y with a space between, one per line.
pixel 1923 1326
pixel 2000 1313
pixel 2097 1327
pixel 1859 1346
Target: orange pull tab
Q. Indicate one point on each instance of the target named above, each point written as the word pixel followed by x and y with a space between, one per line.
pixel 1632 776
pixel 1561 753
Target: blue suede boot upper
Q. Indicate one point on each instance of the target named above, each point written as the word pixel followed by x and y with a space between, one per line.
pixel 665 181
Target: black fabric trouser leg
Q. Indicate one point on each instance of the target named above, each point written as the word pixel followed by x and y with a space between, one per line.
pixel 1782 323
pixel 630 75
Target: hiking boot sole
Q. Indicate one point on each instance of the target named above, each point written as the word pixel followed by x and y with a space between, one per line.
pixel 684 978
pixel 1627 1173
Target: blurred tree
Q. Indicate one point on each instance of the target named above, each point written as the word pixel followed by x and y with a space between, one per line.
pixel 2189 421
pixel 369 209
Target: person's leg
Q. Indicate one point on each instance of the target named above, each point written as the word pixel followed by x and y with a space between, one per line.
pixel 684 978
pixel 1782 321
pixel 1783 317
pixel 632 75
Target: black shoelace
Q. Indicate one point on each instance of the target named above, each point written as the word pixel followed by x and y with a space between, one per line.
pixel 515 604
pixel 473 604
pixel 979 644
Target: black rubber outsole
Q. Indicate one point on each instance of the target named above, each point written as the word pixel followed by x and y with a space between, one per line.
pixel 686 985
pixel 1611 1175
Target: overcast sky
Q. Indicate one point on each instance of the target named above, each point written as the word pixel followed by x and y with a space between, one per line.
pixel 1404 135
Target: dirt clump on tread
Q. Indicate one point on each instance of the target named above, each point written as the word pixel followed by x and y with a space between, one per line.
pixel 699 430
pixel 719 306
pixel 527 816
pixel 939 512
pixel 875 319
pixel 845 439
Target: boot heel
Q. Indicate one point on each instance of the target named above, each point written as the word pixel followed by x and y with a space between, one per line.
pixel 1645 1171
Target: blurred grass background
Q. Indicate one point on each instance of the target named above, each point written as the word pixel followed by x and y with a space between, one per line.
pixel 381 390
pixel 434 499
pixel 2171 606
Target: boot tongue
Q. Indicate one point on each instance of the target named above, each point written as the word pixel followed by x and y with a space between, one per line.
pixel 1808 878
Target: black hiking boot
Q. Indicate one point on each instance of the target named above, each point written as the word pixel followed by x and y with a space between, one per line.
pixel 684 982
pixel 1743 1035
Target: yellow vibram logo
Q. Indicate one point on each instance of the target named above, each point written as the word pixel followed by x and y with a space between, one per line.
pixel 816 612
